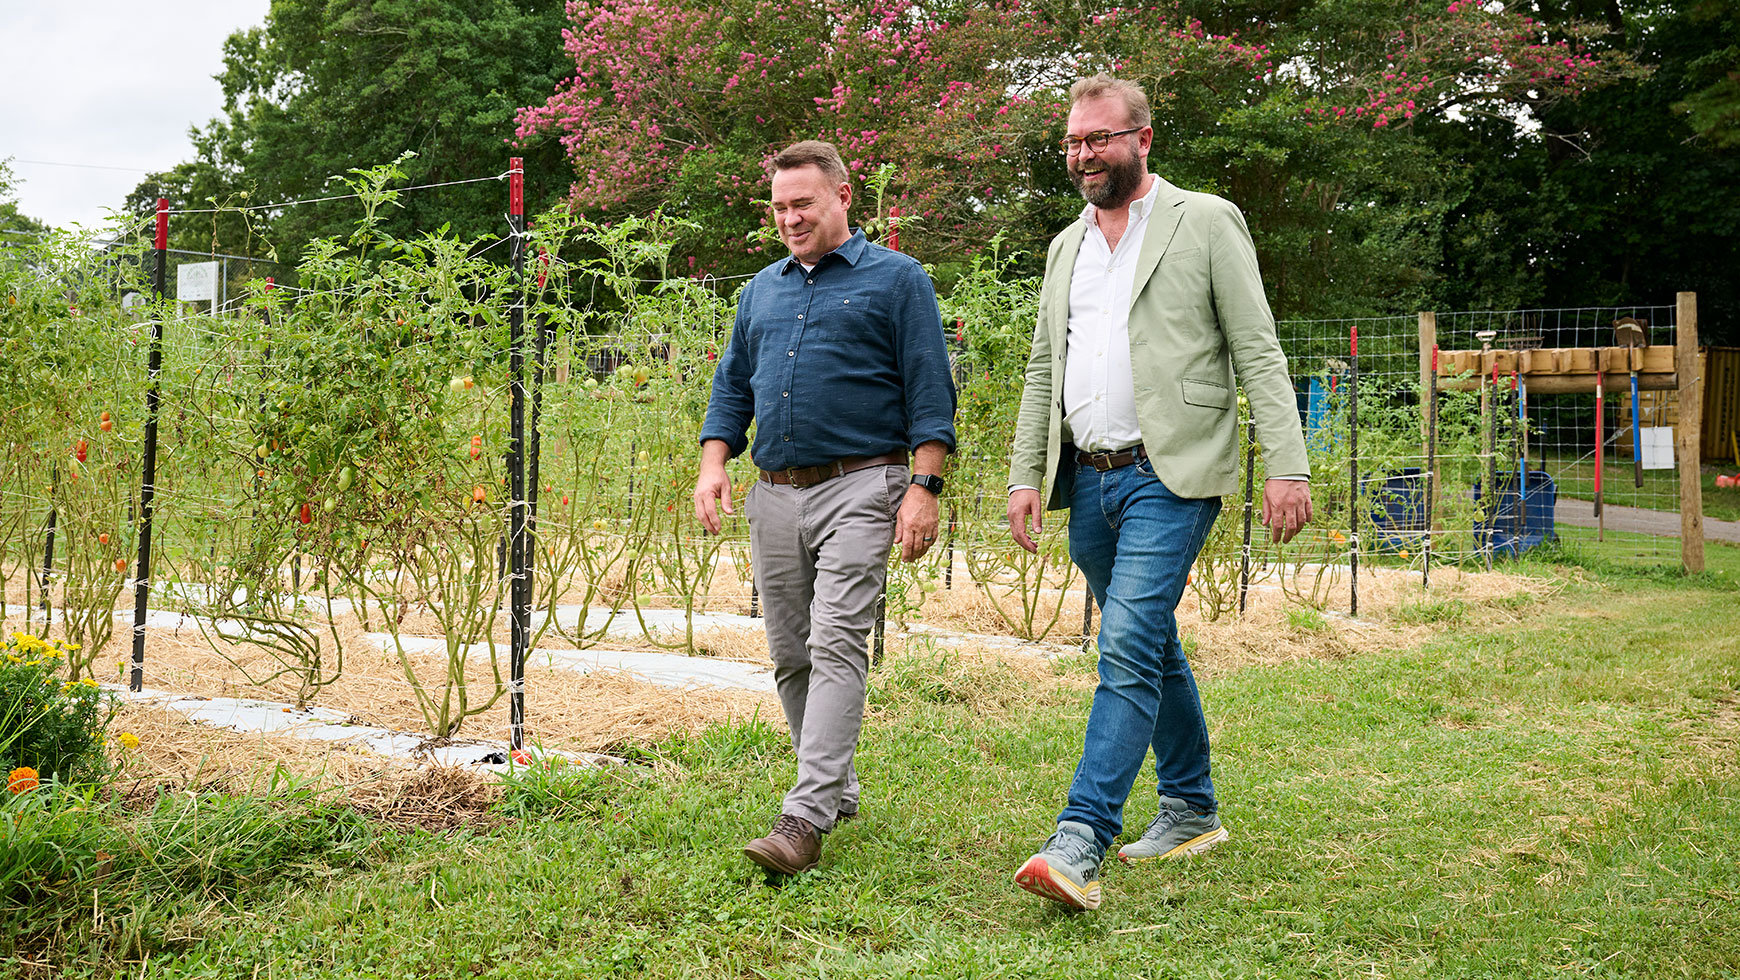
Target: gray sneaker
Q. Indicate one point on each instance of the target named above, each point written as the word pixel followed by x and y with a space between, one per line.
pixel 1067 868
pixel 1177 831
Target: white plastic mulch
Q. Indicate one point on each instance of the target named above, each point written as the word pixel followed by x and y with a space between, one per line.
pixel 325 725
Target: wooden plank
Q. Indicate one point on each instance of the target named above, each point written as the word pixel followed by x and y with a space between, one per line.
pixel 1721 375
pixel 1564 384
pixel 1546 361
pixel 1688 433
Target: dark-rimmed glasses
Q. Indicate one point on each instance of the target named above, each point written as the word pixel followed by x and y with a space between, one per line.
pixel 1071 145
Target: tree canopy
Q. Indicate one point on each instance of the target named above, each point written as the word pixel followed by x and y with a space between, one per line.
pixel 1390 155
pixel 326 87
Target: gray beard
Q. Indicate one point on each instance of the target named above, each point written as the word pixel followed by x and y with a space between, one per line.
pixel 1122 181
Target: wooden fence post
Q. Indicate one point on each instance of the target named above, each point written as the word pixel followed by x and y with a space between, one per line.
pixel 1689 433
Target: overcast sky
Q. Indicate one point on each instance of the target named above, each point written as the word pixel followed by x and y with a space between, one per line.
pixel 106 84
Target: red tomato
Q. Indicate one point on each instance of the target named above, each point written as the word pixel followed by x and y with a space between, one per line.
pixel 305 514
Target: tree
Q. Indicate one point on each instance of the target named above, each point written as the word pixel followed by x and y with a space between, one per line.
pixel 1301 114
pixel 15 225
pixel 1620 198
pixel 325 87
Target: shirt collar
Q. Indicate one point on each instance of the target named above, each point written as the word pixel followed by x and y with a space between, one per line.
pixel 1139 208
pixel 851 251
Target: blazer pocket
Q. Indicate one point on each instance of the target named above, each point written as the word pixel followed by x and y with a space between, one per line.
pixel 1208 394
pixel 1182 253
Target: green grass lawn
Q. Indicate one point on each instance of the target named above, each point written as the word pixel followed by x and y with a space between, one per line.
pixel 1574 478
pixel 1550 789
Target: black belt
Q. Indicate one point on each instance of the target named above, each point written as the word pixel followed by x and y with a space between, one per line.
pixel 802 477
pixel 1114 459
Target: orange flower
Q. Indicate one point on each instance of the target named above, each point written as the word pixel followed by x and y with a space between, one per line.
pixel 22 780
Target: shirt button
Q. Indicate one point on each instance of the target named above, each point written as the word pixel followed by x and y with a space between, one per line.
pixel 800 316
pixel 788 438
pixel 791 353
pixel 809 282
pixel 785 394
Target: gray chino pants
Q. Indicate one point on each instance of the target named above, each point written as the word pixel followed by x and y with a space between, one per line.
pixel 821 560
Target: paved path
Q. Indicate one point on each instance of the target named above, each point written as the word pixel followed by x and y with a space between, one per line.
pixel 1581 513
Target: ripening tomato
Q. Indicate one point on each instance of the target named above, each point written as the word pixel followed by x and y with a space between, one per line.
pixel 305 515
pixel 120 564
pixel 479 494
pixel 106 423
pixel 79 450
pixel 103 538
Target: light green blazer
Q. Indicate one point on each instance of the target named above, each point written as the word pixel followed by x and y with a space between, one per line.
pixel 1197 311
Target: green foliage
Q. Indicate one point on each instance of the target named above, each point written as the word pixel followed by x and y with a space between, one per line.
pixel 323 88
pixel 72 858
pixel 15 226
pixel 551 787
pixel 1450 612
pixel 1306 619
pixel 53 726
pixel 1624 194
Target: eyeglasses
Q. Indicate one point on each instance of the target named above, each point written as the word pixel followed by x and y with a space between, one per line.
pixel 1071 145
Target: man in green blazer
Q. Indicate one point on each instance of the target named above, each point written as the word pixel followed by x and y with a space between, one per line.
pixel 1129 418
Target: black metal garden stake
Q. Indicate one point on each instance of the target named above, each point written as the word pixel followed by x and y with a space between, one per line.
pixel 521 578
pixel 148 480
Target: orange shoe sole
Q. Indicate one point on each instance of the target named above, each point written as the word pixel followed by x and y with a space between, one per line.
pixel 1037 877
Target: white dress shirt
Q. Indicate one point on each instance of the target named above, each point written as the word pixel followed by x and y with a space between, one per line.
pixel 1099 383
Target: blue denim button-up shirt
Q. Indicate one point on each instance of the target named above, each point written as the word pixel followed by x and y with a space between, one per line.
pixel 845 360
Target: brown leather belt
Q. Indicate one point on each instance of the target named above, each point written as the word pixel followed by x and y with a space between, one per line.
pixel 802 477
pixel 1113 460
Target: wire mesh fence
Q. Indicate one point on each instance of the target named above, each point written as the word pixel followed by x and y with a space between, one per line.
pixel 343 446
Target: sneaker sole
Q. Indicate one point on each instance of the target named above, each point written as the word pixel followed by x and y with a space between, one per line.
pixel 772 862
pixel 1037 877
pixel 1190 848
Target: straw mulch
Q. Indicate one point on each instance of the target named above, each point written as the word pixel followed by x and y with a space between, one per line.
pixel 608 711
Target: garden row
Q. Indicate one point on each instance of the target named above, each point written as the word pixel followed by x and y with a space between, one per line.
pixel 347 438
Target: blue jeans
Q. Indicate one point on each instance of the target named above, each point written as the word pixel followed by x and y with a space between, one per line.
pixel 1135 541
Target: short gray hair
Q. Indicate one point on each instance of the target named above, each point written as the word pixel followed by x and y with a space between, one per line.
pixel 1104 86
pixel 813 153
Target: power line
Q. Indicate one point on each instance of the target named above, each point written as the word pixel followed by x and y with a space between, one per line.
pixel 83 166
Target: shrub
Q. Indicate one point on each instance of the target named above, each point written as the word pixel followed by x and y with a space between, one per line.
pixel 51 726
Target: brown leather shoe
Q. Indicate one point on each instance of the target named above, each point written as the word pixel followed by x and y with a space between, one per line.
pixel 790 847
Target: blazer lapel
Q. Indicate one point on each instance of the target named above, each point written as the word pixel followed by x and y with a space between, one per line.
pixel 1066 256
pixel 1162 225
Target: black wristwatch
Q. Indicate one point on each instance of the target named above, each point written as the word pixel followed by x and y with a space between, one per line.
pixel 932 483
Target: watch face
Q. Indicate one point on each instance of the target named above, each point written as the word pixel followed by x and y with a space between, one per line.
pixel 932 483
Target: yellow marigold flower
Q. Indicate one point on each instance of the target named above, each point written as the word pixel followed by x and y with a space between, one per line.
pixel 22 780
pixel 128 740
pixel 88 682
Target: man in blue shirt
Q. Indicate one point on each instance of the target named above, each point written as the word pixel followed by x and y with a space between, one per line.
pixel 838 357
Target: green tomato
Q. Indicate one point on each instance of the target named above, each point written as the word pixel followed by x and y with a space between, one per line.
pixel 346 477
